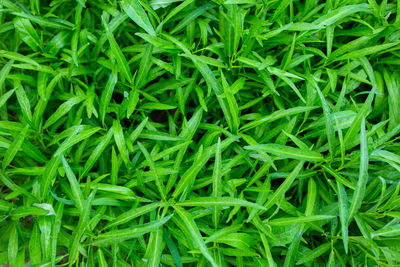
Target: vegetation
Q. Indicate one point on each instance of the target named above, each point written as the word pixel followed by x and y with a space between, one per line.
pixel 200 133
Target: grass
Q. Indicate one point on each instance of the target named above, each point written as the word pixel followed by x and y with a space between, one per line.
pixel 199 133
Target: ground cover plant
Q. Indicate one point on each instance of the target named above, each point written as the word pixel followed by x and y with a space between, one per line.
pixel 199 133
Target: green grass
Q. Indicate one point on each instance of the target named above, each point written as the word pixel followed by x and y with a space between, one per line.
pixel 197 133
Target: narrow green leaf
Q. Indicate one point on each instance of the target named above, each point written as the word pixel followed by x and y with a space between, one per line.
pixel 133 213
pixel 22 212
pixel 75 189
pixel 367 51
pixel 135 11
pixel 107 94
pixel 56 227
pixel 27 32
pixel 120 141
pixel 35 253
pixel 288 152
pixel 311 197
pixel 80 229
pixel 14 187
pixel 96 153
pixel 390 231
pixel 191 17
pixel 302 219
pixel 191 226
pixel 359 192
pixel 23 102
pixel 338 177
pixel 219 201
pixel 159 183
pixel 13 246
pixel 18 57
pixel 328 119
pixel 293 249
pixel 172 248
pixel 129 233
pixel 63 109
pixel 155 247
pixel 217 192
pixel 340 13
pixel 5 97
pixel 343 214
pixel 49 174
pixel 177 9
pixel 122 64
pixel 275 197
pixel 315 253
pixel 101 259
pixel 14 148
pixel 276 115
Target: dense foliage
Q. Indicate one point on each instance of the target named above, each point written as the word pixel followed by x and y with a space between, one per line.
pixel 200 133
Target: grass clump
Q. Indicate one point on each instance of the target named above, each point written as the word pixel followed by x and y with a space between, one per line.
pixel 197 133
